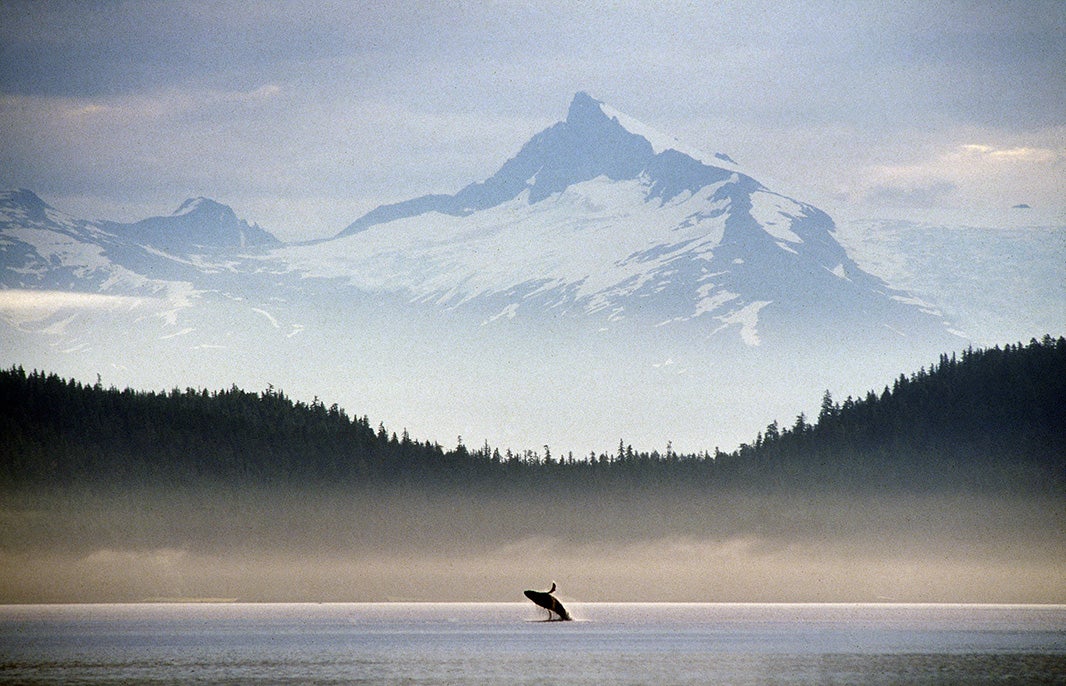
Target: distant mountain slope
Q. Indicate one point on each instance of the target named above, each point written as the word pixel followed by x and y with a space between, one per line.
pixel 591 218
pixel 42 248
pixel 597 218
pixel 994 284
pixel 198 223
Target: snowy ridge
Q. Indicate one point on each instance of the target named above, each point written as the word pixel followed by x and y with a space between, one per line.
pixel 45 248
pixel 192 205
pixel 601 215
pixel 599 237
pixel 598 216
pixel 774 213
pixel 661 142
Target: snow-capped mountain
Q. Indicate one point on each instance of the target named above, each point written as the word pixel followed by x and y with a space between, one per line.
pixel 600 215
pixel 43 248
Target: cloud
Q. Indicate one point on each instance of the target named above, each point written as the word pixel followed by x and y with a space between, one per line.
pixel 51 301
pixel 1015 154
pixel 25 307
pixel 153 107
pixel 970 176
pixel 928 195
pixel 93 49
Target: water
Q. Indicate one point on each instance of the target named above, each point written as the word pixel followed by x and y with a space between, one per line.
pixel 505 643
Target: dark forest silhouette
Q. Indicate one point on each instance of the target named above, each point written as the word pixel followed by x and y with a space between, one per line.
pixel 987 420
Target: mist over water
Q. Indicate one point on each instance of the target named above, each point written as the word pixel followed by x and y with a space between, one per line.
pixel 421 544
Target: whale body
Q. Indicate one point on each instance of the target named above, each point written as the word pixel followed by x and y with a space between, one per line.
pixel 550 603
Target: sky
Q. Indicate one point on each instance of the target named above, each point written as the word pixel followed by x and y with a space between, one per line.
pixel 304 115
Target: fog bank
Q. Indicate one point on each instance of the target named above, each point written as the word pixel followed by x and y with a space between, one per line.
pixel 413 545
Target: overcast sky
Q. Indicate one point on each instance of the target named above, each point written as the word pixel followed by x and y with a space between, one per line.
pixel 304 115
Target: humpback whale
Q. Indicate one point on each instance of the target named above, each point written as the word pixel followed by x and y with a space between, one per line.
pixel 550 603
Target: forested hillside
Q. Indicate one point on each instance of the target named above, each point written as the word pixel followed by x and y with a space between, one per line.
pixel 986 419
pixel 63 432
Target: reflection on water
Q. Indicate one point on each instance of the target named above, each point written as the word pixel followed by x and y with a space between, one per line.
pixel 437 643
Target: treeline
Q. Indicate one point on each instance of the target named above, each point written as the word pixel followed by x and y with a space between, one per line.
pixel 992 419
pixel 64 432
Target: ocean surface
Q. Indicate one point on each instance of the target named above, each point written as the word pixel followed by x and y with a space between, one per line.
pixel 508 643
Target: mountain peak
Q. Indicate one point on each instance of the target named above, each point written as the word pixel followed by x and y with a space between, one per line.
pixel 595 140
pixel 198 223
pixel 22 196
pixel 25 201
pixel 584 109
pixel 200 205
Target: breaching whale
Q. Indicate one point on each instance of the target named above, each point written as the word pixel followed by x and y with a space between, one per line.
pixel 549 603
